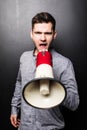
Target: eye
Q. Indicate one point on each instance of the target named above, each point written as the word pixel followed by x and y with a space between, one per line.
pixel 37 32
pixel 48 33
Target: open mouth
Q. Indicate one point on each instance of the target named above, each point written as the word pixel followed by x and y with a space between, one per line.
pixel 43 44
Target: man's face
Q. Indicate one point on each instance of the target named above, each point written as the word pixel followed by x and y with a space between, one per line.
pixel 42 35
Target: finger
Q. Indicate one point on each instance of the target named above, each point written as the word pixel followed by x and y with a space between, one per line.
pixel 18 122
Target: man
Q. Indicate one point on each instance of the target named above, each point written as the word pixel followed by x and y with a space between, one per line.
pixel 43 33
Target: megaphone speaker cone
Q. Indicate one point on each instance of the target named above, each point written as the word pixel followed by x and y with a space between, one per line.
pixel 55 93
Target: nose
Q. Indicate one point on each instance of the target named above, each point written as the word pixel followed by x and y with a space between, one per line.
pixel 43 37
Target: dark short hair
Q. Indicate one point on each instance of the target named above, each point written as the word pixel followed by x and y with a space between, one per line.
pixel 43 17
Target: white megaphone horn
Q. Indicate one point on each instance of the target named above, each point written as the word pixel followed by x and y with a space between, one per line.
pixel 44 91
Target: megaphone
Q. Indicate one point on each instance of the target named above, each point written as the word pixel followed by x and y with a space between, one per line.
pixel 44 91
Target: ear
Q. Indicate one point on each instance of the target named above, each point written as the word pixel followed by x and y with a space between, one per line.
pixel 55 34
pixel 31 34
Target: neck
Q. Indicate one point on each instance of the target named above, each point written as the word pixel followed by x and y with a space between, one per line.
pixel 35 52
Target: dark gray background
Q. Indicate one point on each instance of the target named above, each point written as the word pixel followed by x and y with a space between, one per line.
pixel 15 25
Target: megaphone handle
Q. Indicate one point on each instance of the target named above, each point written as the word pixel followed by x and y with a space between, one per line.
pixel 44 86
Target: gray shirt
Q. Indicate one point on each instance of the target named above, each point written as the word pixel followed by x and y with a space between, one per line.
pixel 39 119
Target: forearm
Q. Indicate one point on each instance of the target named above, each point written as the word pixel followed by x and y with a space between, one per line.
pixel 16 102
pixel 16 99
pixel 69 81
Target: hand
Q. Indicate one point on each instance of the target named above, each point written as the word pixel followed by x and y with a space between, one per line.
pixel 14 120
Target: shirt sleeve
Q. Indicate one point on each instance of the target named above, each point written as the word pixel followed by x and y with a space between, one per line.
pixel 68 79
pixel 16 99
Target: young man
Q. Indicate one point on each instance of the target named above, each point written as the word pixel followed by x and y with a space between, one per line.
pixel 43 33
